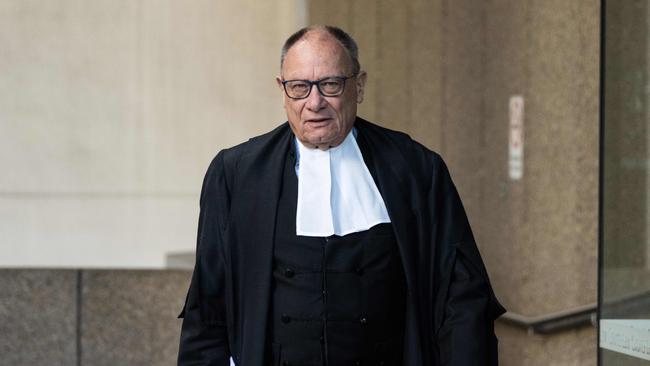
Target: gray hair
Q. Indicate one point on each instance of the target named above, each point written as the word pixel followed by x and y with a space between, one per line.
pixel 339 34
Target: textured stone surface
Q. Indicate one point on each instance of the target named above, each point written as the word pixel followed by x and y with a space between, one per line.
pixel 365 32
pixel 129 317
pixel 38 317
pixel 569 348
pixel 502 225
pixel 444 71
pixel 426 78
pixel 562 186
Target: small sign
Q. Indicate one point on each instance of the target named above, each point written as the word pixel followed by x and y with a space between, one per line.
pixel 627 336
pixel 516 138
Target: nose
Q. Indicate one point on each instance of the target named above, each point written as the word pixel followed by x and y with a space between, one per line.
pixel 315 101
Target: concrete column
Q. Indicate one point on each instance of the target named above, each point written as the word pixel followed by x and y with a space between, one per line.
pixel 444 72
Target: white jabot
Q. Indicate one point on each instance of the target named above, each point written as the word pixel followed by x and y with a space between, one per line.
pixel 336 193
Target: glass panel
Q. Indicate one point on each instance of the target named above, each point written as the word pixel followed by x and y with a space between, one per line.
pixel 625 251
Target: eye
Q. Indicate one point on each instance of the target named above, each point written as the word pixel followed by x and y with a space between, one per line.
pixel 298 86
pixel 331 85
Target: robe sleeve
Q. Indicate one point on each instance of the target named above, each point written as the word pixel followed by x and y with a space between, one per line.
pixel 204 336
pixel 468 304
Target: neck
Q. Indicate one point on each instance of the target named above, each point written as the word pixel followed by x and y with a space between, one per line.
pixel 325 146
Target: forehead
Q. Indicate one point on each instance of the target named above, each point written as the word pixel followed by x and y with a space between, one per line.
pixel 316 56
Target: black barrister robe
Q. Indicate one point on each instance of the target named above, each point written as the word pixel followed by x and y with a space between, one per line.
pixel 450 305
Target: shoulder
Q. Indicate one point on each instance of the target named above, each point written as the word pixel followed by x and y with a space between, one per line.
pixel 399 144
pixel 228 163
pixel 230 158
pixel 258 144
pixel 383 134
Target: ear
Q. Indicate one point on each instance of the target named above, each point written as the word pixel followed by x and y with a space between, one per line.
pixel 278 80
pixel 361 84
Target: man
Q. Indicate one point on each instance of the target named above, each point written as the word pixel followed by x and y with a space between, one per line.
pixel 333 241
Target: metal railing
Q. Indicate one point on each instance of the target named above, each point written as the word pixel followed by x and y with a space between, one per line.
pixel 554 322
pixel 635 305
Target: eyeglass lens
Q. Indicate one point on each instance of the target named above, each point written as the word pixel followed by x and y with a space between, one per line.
pixel 327 87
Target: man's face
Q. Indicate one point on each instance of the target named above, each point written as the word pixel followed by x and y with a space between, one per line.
pixel 319 121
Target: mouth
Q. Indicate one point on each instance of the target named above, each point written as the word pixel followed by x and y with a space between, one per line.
pixel 317 120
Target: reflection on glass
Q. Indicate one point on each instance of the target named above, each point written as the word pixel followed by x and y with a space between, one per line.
pixel 625 272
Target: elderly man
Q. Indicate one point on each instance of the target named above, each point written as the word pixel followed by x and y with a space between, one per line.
pixel 333 241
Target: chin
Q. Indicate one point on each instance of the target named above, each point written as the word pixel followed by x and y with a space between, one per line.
pixel 319 139
pixel 327 140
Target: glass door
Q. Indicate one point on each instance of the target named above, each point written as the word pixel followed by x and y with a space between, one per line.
pixel 624 270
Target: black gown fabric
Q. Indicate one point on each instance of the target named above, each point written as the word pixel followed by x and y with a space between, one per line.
pixel 337 300
pixel 450 306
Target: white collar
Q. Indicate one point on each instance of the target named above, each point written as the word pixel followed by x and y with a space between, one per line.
pixel 336 193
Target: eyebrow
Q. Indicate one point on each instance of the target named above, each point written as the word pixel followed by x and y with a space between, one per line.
pixel 326 77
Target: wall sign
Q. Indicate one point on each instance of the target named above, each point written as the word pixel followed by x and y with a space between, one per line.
pixel 516 137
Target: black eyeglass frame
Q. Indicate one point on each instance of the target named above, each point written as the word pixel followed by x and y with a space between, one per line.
pixel 317 83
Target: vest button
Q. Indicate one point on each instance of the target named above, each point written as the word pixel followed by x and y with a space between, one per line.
pixel 357 363
pixel 363 320
pixel 285 318
pixel 289 272
pixel 322 339
pixel 359 271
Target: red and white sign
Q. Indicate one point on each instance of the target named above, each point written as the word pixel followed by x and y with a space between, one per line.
pixel 516 138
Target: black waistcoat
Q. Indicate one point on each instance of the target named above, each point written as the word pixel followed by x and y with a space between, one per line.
pixel 336 301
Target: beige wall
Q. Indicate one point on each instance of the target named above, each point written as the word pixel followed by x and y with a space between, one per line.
pixel 110 112
pixel 444 71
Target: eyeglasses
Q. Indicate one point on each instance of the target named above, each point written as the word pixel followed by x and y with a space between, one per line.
pixel 328 87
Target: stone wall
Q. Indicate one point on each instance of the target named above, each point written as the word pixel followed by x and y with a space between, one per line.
pixel 444 72
pixel 90 317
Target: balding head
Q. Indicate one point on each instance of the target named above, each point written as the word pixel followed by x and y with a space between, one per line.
pixel 325 31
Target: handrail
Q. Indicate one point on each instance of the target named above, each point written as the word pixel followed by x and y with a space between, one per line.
pixel 554 322
pixel 631 305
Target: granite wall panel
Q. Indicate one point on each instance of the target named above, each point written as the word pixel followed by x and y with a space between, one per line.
pixel 562 179
pixel 425 77
pixel 444 71
pixel 569 348
pixel 90 317
pixel 500 226
pixel 503 202
pixel 463 147
pixel 392 92
pixel 129 317
pixel 38 317
pixel 336 12
pixel 364 30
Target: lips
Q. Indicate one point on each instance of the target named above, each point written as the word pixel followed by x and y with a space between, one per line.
pixel 316 120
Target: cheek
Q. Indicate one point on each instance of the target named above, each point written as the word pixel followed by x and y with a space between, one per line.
pixel 347 110
pixel 293 112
